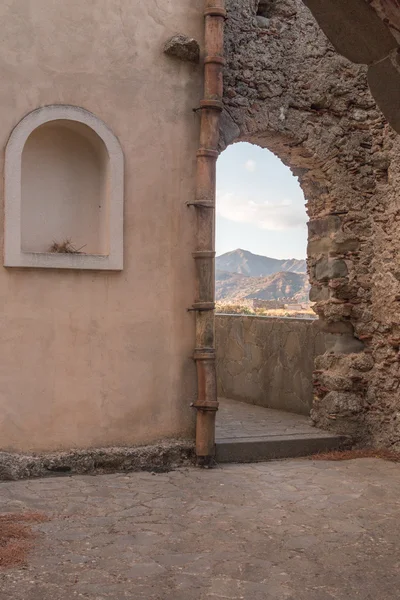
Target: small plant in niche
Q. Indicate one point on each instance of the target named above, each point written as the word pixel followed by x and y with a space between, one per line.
pixel 65 247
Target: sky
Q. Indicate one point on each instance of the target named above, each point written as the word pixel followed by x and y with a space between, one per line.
pixel 260 205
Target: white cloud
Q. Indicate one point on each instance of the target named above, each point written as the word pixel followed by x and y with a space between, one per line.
pixel 250 165
pixel 264 215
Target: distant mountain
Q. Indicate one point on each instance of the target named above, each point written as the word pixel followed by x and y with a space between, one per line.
pixel 234 287
pixel 253 265
pixel 231 286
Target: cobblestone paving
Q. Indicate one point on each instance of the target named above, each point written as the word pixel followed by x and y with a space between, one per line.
pixel 288 530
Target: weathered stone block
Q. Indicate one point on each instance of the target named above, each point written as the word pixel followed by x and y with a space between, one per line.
pixel 327 268
pixel 343 404
pixel 336 327
pixel 345 243
pixel 364 362
pixel 183 47
pixel 319 246
pixel 319 293
pixel 337 382
pixel 343 343
pixel 262 22
pixel 324 226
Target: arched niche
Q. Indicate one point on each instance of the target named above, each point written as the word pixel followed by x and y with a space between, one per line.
pixel 64 192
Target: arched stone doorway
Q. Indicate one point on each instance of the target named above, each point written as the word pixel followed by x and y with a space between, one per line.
pixel 288 90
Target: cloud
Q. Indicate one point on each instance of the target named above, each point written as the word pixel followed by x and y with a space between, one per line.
pixel 250 165
pixel 264 215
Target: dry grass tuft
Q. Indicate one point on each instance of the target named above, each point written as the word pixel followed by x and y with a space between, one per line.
pixel 16 537
pixel 361 453
pixel 65 247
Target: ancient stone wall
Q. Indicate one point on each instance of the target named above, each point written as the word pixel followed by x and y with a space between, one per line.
pixel 266 361
pixel 286 89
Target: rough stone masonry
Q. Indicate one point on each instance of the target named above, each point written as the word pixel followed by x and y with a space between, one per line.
pixel 286 89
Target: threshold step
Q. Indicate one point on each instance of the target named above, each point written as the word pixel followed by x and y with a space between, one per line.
pixel 249 433
pixel 245 450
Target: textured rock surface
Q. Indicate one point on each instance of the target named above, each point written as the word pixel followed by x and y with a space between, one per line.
pixel 183 47
pixel 268 362
pixel 159 457
pixel 286 89
pixel 286 530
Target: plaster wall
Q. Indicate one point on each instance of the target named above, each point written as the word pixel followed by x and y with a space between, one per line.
pixel 94 358
pixel 268 362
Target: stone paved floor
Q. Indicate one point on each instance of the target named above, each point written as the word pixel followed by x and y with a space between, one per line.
pixel 237 420
pixel 287 530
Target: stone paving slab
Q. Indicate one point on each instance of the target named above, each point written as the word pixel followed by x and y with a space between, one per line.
pixel 285 530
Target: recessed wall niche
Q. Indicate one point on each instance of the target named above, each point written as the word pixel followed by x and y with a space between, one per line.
pixel 63 192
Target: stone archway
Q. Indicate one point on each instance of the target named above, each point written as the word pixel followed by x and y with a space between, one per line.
pixel 288 90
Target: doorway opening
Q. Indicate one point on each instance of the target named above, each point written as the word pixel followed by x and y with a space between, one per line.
pixel 261 236
pixel 267 336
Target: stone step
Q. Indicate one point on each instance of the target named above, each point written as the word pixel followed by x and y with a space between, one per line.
pixel 249 433
pixel 245 450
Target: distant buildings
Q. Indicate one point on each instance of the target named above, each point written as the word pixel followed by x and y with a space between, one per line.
pixel 271 304
pixel 279 304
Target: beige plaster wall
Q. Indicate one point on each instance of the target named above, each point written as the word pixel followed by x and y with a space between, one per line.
pixel 266 361
pixel 94 358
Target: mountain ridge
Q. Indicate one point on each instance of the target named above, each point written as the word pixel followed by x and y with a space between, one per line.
pixel 244 262
pixel 235 287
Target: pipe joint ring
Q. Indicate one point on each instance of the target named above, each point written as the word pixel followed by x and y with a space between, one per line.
pixel 205 407
pixel 207 153
pixel 212 104
pixel 218 60
pixel 215 11
pixel 202 306
pixel 204 354
pixel 201 204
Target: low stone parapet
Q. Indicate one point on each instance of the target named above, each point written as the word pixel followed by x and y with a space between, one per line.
pixel 268 361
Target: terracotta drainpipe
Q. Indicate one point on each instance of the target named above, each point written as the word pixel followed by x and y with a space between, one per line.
pixel 204 354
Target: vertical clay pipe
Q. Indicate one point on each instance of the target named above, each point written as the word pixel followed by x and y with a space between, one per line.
pixel 204 354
